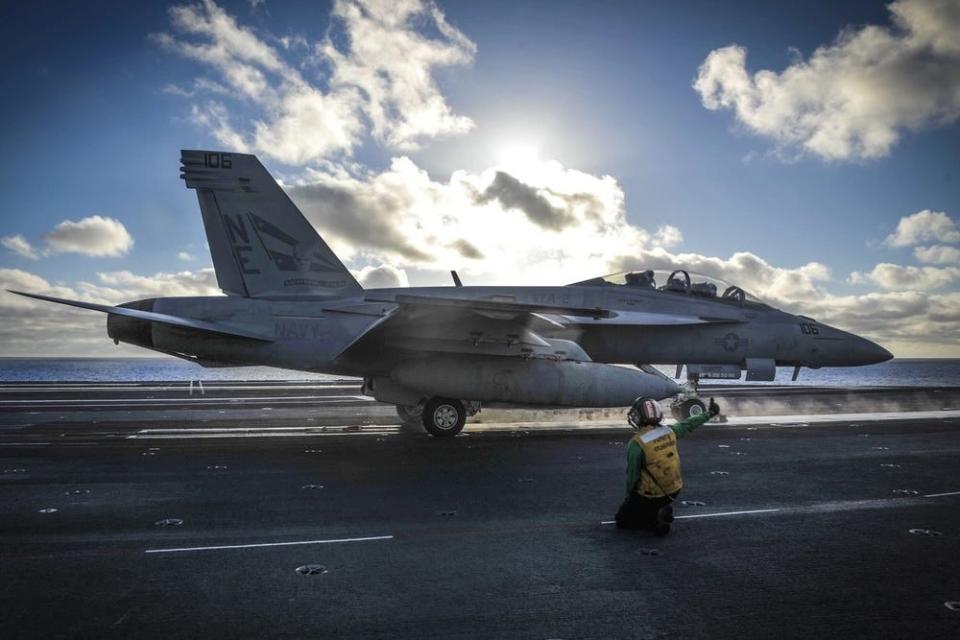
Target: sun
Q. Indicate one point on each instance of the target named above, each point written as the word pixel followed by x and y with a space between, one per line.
pixel 518 155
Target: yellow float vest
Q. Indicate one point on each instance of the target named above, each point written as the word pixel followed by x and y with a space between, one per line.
pixel 661 460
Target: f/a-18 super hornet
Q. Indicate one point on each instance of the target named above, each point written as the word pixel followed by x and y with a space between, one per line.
pixel 437 353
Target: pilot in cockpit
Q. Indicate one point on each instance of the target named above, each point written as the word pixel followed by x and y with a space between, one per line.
pixel 643 279
pixel 677 283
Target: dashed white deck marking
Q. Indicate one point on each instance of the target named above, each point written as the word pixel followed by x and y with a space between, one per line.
pixel 268 544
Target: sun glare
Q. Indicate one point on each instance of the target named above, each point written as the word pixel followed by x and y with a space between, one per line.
pixel 518 155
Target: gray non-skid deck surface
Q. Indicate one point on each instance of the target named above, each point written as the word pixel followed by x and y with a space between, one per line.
pixel 495 535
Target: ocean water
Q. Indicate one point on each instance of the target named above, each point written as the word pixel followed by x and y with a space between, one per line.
pixel 136 370
pixel 898 372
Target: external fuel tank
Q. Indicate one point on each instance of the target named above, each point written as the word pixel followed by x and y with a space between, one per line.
pixel 532 381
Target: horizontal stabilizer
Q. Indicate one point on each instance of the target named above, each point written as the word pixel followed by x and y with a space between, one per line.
pixel 150 316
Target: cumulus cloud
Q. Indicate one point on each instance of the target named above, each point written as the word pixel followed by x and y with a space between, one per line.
pixel 540 223
pixel 119 286
pixel 851 99
pixel 391 62
pixel 31 327
pixel 379 60
pixel 20 246
pixel 938 254
pixel 91 236
pixel 668 236
pixel 514 194
pixel 382 276
pixel 186 256
pixel 907 322
pixel 900 277
pixel 924 226
pixel 466 249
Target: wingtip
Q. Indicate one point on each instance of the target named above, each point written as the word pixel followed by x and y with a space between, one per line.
pixel 35 296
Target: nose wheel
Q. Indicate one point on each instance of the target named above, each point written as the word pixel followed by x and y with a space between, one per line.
pixel 687 404
pixel 688 408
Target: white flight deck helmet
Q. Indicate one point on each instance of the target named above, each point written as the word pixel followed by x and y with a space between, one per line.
pixel 644 412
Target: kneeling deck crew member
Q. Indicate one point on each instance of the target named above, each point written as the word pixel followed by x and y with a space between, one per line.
pixel 653 466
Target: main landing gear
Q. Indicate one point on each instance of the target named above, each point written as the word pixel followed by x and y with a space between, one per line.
pixel 444 417
pixel 441 417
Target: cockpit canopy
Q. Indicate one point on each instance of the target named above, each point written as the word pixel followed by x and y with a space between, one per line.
pixel 678 281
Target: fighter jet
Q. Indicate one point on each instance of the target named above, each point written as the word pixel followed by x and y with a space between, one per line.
pixel 439 353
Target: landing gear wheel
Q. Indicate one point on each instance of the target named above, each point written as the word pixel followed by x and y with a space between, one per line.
pixel 443 417
pixel 410 413
pixel 688 408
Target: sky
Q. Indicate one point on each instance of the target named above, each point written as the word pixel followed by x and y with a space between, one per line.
pixel 808 153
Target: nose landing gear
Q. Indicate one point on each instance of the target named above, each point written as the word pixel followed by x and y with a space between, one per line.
pixel 687 403
pixel 688 408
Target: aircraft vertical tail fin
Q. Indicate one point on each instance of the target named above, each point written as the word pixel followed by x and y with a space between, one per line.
pixel 260 242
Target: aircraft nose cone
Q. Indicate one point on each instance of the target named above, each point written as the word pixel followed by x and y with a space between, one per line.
pixel 866 352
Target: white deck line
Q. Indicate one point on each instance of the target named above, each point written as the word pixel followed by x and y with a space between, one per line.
pixel 254 434
pixel 227 430
pixel 727 513
pixel 713 515
pixel 195 400
pixel 819 507
pixel 799 420
pixel 780 421
pixel 941 495
pixel 267 544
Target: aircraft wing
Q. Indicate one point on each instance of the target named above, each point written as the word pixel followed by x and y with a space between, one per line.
pixel 150 316
pixel 493 326
pixel 559 315
pixel 494 306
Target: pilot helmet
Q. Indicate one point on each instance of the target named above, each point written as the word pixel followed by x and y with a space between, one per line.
pixel 644 412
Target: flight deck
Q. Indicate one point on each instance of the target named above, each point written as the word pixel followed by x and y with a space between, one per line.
pixel 303 510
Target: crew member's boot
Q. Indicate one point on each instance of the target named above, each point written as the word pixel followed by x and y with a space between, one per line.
pixel 664 518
